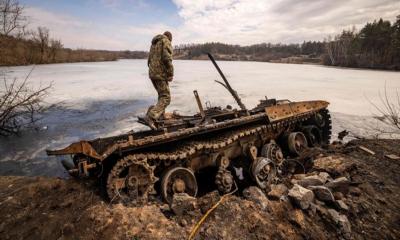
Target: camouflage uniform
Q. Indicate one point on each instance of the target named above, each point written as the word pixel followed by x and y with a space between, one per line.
pixel 160 72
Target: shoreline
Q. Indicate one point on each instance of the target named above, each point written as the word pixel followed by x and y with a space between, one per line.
pixel 220 60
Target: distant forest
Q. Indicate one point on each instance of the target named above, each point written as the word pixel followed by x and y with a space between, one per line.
pixel 375 46
pixel 22 46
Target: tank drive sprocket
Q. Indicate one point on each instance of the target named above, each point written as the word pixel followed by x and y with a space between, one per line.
pixel 131 180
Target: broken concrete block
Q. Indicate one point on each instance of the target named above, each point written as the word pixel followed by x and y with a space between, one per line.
pixel 301 196
pixel 277 191
pixel 313 180
pixel 256 195
pixel 322 193
pixel 182 203
pixel 340 184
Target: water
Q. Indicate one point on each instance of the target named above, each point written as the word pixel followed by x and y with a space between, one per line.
pixel 103 99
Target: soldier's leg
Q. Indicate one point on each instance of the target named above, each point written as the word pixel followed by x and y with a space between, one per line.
pixel 164 99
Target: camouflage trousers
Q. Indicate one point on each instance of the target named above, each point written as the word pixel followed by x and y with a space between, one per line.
pixel 164 99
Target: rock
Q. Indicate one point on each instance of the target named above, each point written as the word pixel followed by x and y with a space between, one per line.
pixel 322 193
pixel 325 176
pixel 294 181
pixel 183 203
pixel 277 191
pixel 342 221
pixel 313 208
pixel 256 195
pixel 338 195
pixel 299 176
pixel 340 184
pixel 301 196
pixel 313 180
pixel 341 205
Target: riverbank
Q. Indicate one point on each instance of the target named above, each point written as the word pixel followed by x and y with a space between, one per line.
pixel 52 208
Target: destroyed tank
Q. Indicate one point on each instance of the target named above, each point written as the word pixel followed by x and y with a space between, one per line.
pixel 216 148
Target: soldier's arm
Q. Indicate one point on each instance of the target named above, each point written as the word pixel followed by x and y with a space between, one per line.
pixel 167 58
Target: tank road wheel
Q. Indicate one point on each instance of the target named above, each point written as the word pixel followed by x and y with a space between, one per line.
pixel 297 143
pixel 272 151
pixel 130 180
pixel 313 135
pixel 263 171
pixel 178 180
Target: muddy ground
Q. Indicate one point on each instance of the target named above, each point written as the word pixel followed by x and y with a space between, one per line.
pixel 51 208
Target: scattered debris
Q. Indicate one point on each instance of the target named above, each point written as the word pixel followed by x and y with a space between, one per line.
pixel 322 193
pixel 365 149
pixel 342 221
pixel 301 196
pixel 365 207
pixel 313 180
pixel 340 184
pixel 342 134
pixel 393 156
pixel 341 205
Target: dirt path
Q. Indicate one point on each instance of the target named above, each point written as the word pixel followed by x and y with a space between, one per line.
pixel 50 208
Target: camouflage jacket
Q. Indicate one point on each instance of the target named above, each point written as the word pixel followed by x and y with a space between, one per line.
pixel 160 58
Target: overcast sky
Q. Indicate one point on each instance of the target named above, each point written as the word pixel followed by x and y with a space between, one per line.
pixel 130 24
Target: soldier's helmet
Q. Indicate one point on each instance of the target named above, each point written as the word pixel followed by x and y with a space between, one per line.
pixel 168 34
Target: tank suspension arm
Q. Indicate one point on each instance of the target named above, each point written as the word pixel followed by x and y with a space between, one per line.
pixel 227 85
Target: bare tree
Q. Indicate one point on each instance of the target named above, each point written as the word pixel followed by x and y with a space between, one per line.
pixel 55 46
pixel 389 112
pixel 42 38
pixel 20 105
pixel 12 20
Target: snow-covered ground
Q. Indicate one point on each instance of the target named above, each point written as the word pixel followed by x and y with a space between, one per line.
pixel 103 99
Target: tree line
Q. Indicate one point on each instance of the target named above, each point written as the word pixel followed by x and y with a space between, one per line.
pixel 376 45
pixel 22 46
pixel 256 52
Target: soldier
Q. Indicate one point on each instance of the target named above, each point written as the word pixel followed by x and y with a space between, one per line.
pixel 161 73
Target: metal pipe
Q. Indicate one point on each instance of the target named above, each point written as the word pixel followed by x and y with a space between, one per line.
pixel 227 85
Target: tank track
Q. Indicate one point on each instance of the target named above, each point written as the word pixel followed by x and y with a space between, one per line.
pixel 185 151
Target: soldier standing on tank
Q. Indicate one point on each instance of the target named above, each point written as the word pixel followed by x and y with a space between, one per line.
pixel 161 72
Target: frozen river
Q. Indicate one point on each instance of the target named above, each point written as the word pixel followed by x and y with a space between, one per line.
pixel 102 99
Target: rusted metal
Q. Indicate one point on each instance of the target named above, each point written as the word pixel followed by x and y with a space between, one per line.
pixel 82 147
pixel 199 104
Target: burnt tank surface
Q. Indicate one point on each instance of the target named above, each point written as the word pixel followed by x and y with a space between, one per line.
pixel 217 148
